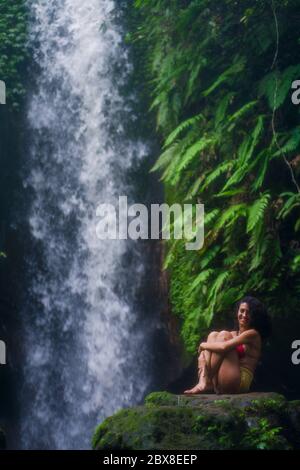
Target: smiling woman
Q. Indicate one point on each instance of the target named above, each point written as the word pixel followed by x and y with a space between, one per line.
pixel 228 359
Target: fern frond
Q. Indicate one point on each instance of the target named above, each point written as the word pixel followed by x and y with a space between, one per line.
pixel 222 168
pixel 191 153
pixel 243 110
pixel 232 192
pixel 170 254
pixel 241 172
pixel 201 278
pixel 222 108
pixel 248 145
pixel 257 211
pixel 192 79
pixel 261 249
pixel 233 260
pixel 231 215
pixel 194 188
pixel 291 144
pixel 290 204
pixel 165 158
pixel 234 69
pixel 276 86
pixel 209 256
pixel 267 87
pixel 262 170
pixel 255 135
pixel 209 217
pixel 182 127
pixel 218 284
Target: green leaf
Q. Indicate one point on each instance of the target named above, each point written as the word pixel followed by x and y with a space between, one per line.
pixel 234 69
pixel 182 127
pixel 257 211
pixel 191 153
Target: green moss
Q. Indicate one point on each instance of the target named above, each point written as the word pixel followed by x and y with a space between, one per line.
pixel 224 404
pixel 221 431
pixel 264 436
pixel 160 399
pixel 151 428
pixel 266 406
pixel 112 432
pixel 195 423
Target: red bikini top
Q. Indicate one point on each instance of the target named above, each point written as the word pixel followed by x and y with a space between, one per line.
pixel 241 350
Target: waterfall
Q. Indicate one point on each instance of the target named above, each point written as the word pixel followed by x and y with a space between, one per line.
pixel 87 345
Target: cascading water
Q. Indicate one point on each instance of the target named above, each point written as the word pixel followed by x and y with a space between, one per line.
pixel 86 344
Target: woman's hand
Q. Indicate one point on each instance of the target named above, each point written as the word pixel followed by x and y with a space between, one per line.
pixel 202 347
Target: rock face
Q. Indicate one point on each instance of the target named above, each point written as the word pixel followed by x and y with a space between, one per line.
pixel 200 422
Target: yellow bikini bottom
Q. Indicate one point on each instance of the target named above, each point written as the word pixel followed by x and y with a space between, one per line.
pixel 246 380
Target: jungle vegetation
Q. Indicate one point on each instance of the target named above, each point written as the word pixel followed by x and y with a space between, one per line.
pixel 219 76
pixel 13 27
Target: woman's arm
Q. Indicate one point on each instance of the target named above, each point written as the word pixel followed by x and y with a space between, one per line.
pixel 225 346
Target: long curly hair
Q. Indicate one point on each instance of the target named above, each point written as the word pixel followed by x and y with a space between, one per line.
pixel 259 317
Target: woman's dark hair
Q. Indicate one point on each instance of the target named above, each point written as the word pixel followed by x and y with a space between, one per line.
pixel 259 317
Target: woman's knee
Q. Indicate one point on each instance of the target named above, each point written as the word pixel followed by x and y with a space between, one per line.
pixel 213 335
pixel 224 335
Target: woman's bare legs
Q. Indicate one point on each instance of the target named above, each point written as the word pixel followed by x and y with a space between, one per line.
pixel 205 356
pixel 227 369
pixel 204 373
pixel 218 372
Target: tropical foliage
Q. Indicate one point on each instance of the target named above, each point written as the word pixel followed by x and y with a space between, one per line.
pixel 220 75
pixel 13 53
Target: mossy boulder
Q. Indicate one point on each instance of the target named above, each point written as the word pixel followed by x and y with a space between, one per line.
pixel 200 422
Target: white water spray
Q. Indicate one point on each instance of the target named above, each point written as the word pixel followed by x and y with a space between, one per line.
pixel 86 345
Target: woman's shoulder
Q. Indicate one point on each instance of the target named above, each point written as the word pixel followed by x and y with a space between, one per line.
pixel 252 332
pixel 253 336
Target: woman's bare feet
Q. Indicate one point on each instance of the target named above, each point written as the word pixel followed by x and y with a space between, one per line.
pixel 205 385
pixel 195 390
